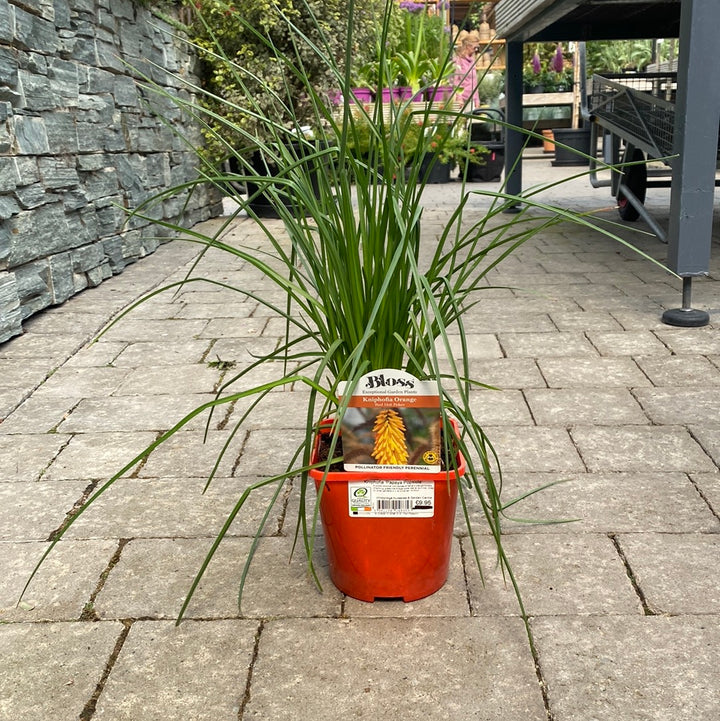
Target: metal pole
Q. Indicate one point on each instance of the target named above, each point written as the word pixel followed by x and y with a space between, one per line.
pixel 514 116
pixel 687 316
pixel 697 114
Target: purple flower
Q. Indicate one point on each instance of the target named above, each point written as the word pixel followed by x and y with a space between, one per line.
pixel 556 64
pixel 536 63
pixel 412 7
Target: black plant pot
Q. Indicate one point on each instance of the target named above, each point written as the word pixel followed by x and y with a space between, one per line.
pixel 492 168
pixel 576 139
pixel 439 172
pixel 263 204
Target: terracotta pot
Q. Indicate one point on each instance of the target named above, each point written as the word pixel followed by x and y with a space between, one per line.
pixel 548 141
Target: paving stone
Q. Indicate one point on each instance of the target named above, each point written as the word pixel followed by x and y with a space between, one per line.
pixel 238 328
pixel 95 355
pixel 491 407
pixel 681 406
pixel 234 307
pixel 153 577
pixel 167 331
pixel 63 584
pixel 194 454
pixel 708 436
pixel 687 370
pixel 588 372
pixel 552 285
pixel 268 453
pixel 629 668
pixel 34 511
pixel 603 407
pixel 632 343
pixel 242 351
pixel 10 400
pixel 161 307
pixel 586 296
pixel 585 263
pixel 437 669
pixel 611 299
pixel 545 345
pixel 558 574
pixel 709 486
pixel 519 319
pixel 54 321
pixel 531 448
pixel 634 320
pixel 450 600
pixel 203 295
pixel 41 414
pixel 677 573
pixel 640 449
pixel 82 382
pixel 23 377
pixel 607 503
pixel 623 279
pixel 138 355
pixel 25 458
pixel 163 507
pixel 96 455
pixel 684 341
pixel 479 346
pixel 53 349
pixel 568 321
pixel 164 380
pixel 270 372
pixel 50 670
pixel 279 411
pixel 504 373
pixel 134 413
pixel 193 671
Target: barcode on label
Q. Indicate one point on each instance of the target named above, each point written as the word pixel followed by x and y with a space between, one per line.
pixel 402 504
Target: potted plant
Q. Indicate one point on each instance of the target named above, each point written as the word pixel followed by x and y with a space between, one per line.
pixel 572 145
pixel 357 292
pixel 450 147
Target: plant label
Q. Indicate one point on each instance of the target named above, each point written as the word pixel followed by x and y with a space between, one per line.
pixel 392 424
pixel 397 499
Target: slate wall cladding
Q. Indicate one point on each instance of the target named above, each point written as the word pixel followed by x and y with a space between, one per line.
pixel 80 141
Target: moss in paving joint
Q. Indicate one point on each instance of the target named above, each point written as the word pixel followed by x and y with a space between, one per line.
pixel 89 613
pixel 66 415
pixel 222 365
pixel 89 710
pixel 543 686
pixel 246 696
pixel 73 512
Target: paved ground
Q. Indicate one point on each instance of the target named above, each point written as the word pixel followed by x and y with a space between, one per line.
pixel 624 603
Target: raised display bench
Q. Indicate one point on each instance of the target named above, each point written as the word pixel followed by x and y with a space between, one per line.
pixel 432 108
pixel 544 100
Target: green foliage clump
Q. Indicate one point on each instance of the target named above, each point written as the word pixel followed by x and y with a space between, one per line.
pixel 244 83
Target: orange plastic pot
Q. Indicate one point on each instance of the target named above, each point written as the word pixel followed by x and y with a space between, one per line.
pixel 387 557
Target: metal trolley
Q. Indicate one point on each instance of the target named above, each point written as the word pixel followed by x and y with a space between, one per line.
pixel 636 115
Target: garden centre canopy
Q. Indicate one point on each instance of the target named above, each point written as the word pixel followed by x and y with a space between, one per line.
pixel 697 106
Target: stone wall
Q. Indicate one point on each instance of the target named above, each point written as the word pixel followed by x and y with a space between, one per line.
pixel 79 144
